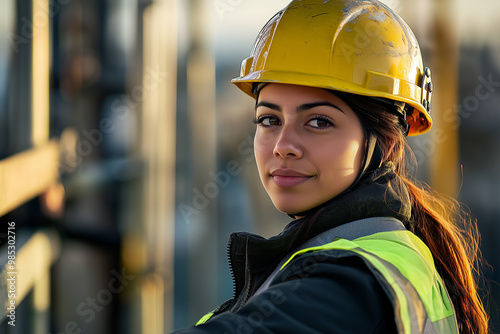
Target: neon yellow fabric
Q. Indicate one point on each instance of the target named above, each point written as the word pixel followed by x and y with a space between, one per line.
pixel 205 318
pixel 413 259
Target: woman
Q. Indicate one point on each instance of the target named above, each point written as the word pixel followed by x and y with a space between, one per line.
pixel 338 86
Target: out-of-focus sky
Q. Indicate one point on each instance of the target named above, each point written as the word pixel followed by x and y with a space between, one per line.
pixel 240 25
pixel 478 21
pixel 237 22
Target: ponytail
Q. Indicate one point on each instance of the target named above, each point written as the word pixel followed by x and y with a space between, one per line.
pixel 440 222
pixel 453 238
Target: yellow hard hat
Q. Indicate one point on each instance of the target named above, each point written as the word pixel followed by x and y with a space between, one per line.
pixel 353 46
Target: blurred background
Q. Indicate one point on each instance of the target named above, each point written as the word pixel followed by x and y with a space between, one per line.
pixel 126 154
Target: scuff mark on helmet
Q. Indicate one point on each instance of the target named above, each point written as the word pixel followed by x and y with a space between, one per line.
pixel 319 14
pixel 380 16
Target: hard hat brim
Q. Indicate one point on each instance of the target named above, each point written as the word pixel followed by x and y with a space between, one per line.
pixel 420 121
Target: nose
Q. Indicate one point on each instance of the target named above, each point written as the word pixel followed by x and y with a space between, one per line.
pixel 288 144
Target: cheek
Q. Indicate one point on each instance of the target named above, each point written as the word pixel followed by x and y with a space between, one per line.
pixel 345 157
pixel 354 154
pixel 264 139
pixel 262 150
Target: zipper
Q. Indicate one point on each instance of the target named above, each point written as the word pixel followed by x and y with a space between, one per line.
pixel 248 279
pixel 239 297
pixel 231 269
pixel 247 293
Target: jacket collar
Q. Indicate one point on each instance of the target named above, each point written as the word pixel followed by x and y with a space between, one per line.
pixel 380 194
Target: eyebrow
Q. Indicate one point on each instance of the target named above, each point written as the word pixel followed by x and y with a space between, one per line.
pixel 302 107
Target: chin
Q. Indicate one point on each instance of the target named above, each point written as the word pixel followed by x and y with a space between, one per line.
pixel 291 208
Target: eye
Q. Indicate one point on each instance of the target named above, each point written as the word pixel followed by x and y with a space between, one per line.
pixel 267 121
pixel 320 122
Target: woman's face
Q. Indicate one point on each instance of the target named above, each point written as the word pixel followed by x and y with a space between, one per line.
pixel 309 145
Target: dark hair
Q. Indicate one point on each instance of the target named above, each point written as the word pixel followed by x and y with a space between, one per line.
pixel 441 222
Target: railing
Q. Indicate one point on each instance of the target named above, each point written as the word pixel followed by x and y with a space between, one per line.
pixel 25 267
pixel 27 174
pixel 26 256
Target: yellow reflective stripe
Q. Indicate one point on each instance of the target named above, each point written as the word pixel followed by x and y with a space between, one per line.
pixel 400 248
pixel 205 318
pixel 344 244
pixel 401 297
pixel 337 244
pixel 391 251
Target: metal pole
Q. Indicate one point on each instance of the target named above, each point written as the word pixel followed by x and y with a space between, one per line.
pixel 202 227
pixel 445 164
pixel 159 108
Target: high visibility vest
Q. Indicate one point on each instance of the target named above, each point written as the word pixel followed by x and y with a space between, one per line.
pixel 404 266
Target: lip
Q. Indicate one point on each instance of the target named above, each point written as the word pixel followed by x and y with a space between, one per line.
pixel 287 178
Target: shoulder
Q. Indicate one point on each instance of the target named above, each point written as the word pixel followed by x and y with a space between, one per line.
pixel 340 289
pixel 336 267
pixel 312 296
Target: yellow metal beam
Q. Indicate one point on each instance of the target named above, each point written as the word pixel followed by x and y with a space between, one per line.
pixel 201 93
pixel 158 147
pixel 27 174
pixel 445 164
pixel 41 70
pixel 152 292
pixel 31 269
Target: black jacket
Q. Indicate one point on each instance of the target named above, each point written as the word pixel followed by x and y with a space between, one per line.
pixel 310 296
